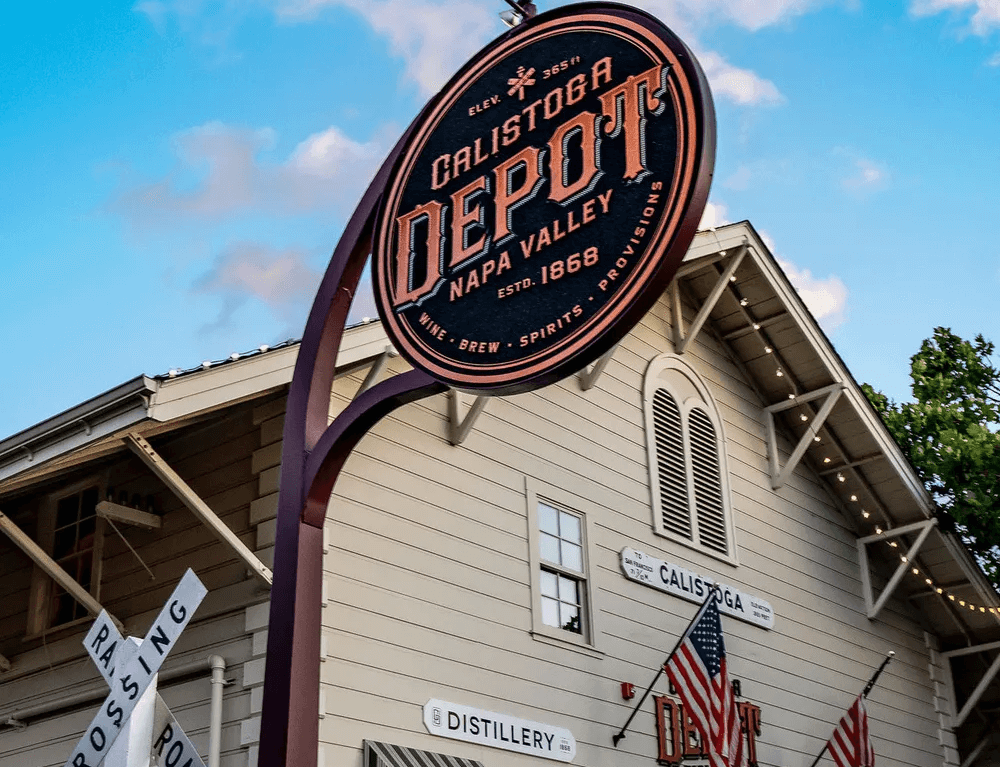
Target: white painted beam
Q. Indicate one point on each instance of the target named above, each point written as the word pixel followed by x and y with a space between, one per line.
pixel 925 530
pixel 588 376
pixel 977 750
pixel 853 464
pixel 460 427
pixel 801 399
pixel 198 507
pixel 779 476
pixel 972 650
pixel 376 369
pixel 711 300
pixel 52 568
pixel 977 693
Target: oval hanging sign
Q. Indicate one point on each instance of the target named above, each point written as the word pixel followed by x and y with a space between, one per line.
pixel 545 199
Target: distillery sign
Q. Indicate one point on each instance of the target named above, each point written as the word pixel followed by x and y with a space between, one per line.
pixel 487 728
pixel 544 199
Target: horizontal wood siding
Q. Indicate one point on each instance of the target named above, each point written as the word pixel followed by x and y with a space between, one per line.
pixel 427 583
pixel 216 459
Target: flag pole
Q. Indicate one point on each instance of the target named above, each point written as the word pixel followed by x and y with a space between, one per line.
pixel 864 694
pixel 621 733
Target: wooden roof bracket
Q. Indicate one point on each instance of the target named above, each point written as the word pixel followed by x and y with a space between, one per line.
pixel 980 688
pixel 4 664
pixel 378 365
pixel 198 507
pixel 52 568
pixel 977 750
pixel 588 376
pixel 779 474
pixel 460 427
pixel 875 607
pixel 681 340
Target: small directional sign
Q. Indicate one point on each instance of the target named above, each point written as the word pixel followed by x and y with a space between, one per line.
pixel 129 670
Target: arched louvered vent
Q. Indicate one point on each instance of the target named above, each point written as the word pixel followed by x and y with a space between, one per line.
pixel 707 482
pixel 670 465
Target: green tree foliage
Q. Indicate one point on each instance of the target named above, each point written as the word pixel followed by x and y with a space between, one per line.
pixel 950 434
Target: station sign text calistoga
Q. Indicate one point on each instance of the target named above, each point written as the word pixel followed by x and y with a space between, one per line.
pixel 693 587
pixel 544 199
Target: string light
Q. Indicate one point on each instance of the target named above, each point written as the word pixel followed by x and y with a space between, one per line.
pixel 928 581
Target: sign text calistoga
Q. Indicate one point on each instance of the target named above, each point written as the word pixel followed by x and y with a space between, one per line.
pixel 689 585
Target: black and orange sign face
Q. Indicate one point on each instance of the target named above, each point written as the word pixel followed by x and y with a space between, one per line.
pixel 544 200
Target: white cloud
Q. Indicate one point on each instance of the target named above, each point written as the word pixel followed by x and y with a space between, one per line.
pixel 868 176
pixel 326 169
pixel 825 297
pixel 985 19
pixel 994 60
pixel 739 85
pixel 282 280
pixel 433 37
pixel 749 14
pixel 715 215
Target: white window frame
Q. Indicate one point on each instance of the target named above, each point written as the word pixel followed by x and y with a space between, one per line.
pixel 659 372
pixel 537 492
pixel 41 590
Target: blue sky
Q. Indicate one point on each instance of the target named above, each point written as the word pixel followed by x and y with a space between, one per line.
pixel 175 173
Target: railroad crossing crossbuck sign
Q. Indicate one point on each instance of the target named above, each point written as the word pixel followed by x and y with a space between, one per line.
pixel 129 667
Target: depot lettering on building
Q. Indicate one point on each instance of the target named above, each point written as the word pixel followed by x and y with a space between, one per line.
pixel 544 200
pixel 678 738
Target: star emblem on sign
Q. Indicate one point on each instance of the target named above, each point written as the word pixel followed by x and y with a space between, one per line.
pixel 518 84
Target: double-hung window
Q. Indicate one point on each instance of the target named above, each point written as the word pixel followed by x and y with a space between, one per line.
pixel 560 586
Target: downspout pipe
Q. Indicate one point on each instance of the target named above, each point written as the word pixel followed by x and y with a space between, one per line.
pixel 218 664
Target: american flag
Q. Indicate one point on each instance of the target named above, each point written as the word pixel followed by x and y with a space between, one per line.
pixel 851 745
pixel 698 670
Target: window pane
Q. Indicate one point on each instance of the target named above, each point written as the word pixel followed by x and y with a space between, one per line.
pixel 550 612
pixel 569 527
pixel 88 502
pixel 549 548
pixel 568 591
pixel 572 556
pixel 548 584
pixel 87 529
pixel 64 542
pixel 569 617
pixel 548 519
pixel 66 511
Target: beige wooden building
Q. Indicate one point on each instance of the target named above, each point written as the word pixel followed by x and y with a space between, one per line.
pixel 490 555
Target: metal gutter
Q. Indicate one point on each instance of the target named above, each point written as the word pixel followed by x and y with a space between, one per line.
pixel 81 425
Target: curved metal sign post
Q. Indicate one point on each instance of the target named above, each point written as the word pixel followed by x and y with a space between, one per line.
pixel 532 213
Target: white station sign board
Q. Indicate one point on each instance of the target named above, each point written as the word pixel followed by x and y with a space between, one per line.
pixel 487 728
pixel 129 670
pixel 688 585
